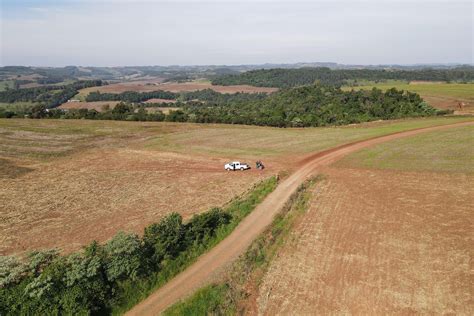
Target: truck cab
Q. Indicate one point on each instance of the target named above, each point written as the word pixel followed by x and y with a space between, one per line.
pixel 236 165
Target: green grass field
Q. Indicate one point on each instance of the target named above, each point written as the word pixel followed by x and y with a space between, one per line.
pixel 441 151
pixel 454 90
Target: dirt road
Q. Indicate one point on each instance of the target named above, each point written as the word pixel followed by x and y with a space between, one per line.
pixel 212 263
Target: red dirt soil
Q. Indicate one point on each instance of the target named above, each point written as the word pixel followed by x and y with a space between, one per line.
pixel 93 194
pixel 160 101
pixel 210 265
pixel 377 243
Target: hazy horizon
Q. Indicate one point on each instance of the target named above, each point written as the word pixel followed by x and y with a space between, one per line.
pixel 109 33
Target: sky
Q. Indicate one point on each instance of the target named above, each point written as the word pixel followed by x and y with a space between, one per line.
pixel 192 32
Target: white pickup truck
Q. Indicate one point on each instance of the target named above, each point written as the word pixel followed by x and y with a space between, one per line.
pixel 236 165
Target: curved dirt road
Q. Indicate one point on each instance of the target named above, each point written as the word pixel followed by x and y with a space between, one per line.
pixel 211 263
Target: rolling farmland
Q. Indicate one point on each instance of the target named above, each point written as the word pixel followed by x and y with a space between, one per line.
pixel 385 233
pixel 89 179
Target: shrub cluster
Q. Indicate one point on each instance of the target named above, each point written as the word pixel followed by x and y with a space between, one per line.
pixel 88 282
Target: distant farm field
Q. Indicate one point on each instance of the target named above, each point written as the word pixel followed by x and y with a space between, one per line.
pixel 146 86
pixel 65 183
pixel 448 151
pixel 98 105
pixel 440 95
pixel 389 231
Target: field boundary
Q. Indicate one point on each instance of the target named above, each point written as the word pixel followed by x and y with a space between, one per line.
pixel 233 294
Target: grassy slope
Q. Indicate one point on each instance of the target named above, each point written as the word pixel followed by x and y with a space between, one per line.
pixel 219 139
pixel 23 138
pixel 443 151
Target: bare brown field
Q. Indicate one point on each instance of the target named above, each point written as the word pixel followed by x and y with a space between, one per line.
pixel 426 82
pixel 378 242
pixel 450 103
pixel 160 101
pixel 65 183
pixel 94 194
pixel 145 86
pixel 97 105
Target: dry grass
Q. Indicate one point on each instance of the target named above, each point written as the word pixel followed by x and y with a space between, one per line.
pixel 378 242
pixel 67 182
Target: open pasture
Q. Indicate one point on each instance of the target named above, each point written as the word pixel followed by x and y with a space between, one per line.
pixel 438 94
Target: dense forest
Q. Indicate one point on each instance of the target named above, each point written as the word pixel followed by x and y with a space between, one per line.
pixel 284 78
pixel 130 96
pixel 314 105
pixel 49 96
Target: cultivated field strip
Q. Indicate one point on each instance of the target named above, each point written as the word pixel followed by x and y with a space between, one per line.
pixel 377 242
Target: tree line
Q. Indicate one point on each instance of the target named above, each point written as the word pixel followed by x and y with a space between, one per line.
pixel 206 95
pixel 285 78
pixel 49 96
pixel 111 277
pixel 306 106
pixel 314 105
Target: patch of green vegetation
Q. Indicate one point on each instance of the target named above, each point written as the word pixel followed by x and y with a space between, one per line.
pixel 284 78
pixel 450 150
pixel 4 84
pixel 224 298
pixel 18 107
pixel 206 301
pixel 455 90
